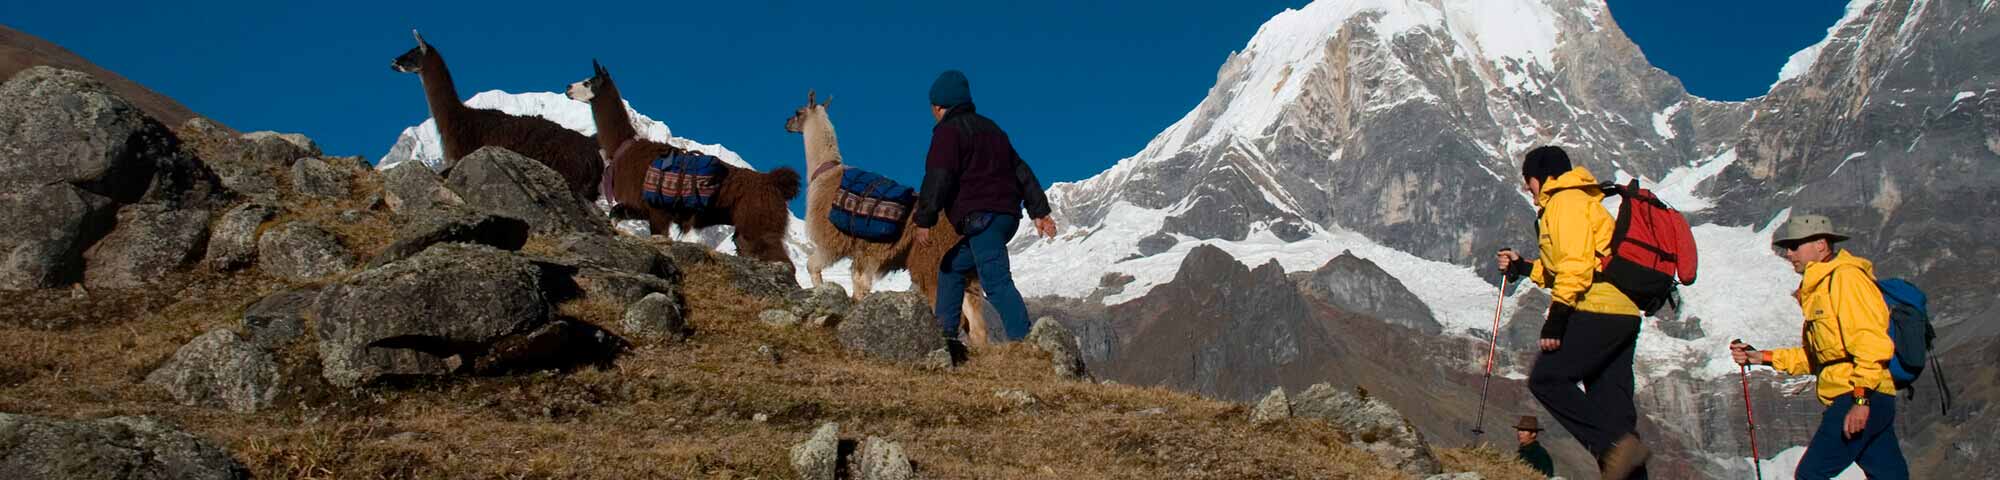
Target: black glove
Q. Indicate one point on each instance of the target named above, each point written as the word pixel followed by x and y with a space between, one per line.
pixel 1519 268
pixel 1552 328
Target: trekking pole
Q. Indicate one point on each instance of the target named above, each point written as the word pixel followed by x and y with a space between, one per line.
pixel 1750 416
pixel 1492 348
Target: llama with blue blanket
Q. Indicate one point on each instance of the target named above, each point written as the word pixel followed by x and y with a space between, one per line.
pixel 857 215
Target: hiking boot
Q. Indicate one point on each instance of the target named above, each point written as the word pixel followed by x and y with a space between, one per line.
pixel 1625 456
pixel 957 350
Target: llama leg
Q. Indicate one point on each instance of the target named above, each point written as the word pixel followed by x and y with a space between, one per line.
pixel 975 308
pixel 821 257
pixel 864 278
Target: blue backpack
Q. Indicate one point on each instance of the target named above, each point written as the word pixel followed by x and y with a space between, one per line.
pixel 684 181
pixel 1911 332
pixel 871 207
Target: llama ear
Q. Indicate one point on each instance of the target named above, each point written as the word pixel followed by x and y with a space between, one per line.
pixel 810 95
pixel 420 40
pixel 596 67
pixel 827 103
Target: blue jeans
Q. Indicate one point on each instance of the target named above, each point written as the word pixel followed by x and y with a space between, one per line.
pixel 1875 448
pixel 983 250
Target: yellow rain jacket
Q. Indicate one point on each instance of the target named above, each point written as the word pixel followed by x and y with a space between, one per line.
pixel 1845 316
pixel 1576 236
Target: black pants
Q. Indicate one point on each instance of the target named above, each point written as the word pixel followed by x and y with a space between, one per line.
pixel 1596 352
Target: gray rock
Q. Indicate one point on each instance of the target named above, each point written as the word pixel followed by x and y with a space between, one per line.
pixel 1051 337
pixel 505 183
pixel 619 288
pixel 150 241
pixel 141 448
pixel 1374 426
pixel 301 250
pixel 1357 285
pixel 1155 244
pixel 620 252
pixel 411 187
pixel 821 305
pixel 1018 398
pixel 312 176
pixel 218 369
pixel 232 243
pixel 427 314
pixel 62 126
pixel 769 281
pixel 884 460
pixel 938 360
pixel 452 225
pixel 1273 408
pixel 1684 328
pixel 44 230
pixel 658 315
pixel 1457 476
pixel 780 318
pixel 818 457
pixel 304 144
pixel 278 319
pixel 895 326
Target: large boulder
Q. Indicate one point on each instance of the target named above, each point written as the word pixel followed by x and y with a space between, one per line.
pixel 232 242
pixel 62 126
pixel 426 315
pixel 141 448
pixel 411 188
pixel 312 176
pixel 818 457
pixel 150 241
pixel 1357 285
pixel 821 305
pixel 659 315
pixel 301 250
pixel 276 320
pixel 620 252
pixel 508 184
pixel 452 225
pixel 1373 425
pixel 249 164
pixel 43 232
pixel 895 326
pixel 1273 408
pixel 219 369
pixel 1052 338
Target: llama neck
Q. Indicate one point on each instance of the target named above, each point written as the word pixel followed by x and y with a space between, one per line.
pixel 442 95
pixel 614 127
pixel 822 146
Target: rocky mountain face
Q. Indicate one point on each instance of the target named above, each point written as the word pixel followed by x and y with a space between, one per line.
pixel 1397 126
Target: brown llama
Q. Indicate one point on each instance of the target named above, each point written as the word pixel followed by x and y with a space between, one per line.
pixel 871 260
pixel 752 201
pixel 464 129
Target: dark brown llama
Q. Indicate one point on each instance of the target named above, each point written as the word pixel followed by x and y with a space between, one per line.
pixel 464 129
pixel 752 201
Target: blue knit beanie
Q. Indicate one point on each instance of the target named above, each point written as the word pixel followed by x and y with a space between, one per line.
pixel 951 89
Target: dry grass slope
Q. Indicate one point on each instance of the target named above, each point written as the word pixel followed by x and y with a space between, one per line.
pixel 678 410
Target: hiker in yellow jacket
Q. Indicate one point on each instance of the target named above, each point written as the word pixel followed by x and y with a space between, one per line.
pixel 1592 327
pixel 1847 346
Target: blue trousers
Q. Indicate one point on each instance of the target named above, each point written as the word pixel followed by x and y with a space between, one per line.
pixel 983 251
pixel 1875 448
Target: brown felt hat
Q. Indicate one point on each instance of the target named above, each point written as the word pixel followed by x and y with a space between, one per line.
pixel 1804 228
pixel 1529 423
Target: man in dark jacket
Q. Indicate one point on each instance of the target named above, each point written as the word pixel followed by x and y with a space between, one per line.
pixel 1531 451
pixel 976 179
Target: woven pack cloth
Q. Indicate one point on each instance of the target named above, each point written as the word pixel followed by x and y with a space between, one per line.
pixel 870 206
pixel 684 181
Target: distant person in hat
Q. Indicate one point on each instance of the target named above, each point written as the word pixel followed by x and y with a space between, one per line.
pixel 1847 346
pixel 1527 430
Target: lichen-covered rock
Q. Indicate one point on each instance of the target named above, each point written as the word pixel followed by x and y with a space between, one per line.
pixel 278 319
pixel 658 315
pixel 426 315
pixel 884 460
pixel 43 232
pixel 895 326
pixel 1376 427
pixel 42 448
pixel 411 188
pixel 505 183
pixel 1273 408
pixel 302 250
pixel 232 243
pixel 312 176
pixel 452 225
pixel 219 369
pixel 1051 337
pixel 63 126
pixel 818 457
pixel 150 241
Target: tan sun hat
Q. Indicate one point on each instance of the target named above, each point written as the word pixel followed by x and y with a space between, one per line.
pixel 1529 423
pixel 1803 228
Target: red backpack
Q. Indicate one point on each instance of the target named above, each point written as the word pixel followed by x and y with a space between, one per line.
pixel 1652 251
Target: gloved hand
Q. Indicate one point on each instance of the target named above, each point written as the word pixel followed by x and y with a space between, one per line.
pixel 1512 265
pixel 1557 322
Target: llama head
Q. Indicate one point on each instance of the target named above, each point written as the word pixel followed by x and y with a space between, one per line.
pixel 797 124
pixel 413 61
pixel 586 89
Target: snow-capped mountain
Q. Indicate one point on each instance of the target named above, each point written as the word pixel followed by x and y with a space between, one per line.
pixel 420 142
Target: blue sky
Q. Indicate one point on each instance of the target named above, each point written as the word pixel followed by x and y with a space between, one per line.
pixel 1078 85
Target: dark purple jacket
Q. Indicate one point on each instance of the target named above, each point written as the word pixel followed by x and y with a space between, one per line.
pixel 972 167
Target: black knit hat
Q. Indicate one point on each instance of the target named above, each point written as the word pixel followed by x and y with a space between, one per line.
pixel 1544 162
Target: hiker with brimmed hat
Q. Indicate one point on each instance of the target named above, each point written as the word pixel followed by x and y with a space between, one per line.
pixel 1531 451
pixel 1847 346
pixel 1592 327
